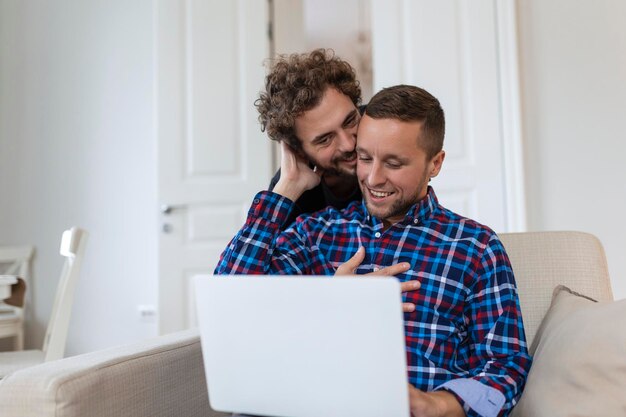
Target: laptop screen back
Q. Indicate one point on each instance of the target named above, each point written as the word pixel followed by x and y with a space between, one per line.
pixel 303 346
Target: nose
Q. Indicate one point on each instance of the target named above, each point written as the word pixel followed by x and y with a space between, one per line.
pixel 347 141
pixel 375 176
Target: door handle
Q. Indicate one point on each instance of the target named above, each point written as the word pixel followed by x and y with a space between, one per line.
pixel 167 209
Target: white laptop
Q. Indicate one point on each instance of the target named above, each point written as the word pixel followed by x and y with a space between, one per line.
pixel 303 346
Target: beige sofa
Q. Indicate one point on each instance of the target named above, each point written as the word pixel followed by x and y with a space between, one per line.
pixel 164 376
pixel 159 377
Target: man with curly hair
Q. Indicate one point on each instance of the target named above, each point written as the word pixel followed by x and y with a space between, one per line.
pixel 310 105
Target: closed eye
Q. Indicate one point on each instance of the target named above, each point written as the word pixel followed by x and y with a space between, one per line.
pixel 394 165
pixel 323 141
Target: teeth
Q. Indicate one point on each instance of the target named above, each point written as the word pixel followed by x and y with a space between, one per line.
pixel 379 194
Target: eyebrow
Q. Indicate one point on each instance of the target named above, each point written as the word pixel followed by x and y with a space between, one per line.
pixel 351 116
pixel 385 158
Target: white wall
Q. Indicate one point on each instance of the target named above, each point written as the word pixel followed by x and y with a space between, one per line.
pixel 345 27
pixel 77 144
pixel 573 66
pixel 77 147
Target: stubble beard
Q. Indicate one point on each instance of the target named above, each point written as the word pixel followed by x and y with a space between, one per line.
pixel 398 208
pixel 336 169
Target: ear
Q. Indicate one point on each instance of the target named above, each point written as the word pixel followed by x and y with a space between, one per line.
pixel 436 162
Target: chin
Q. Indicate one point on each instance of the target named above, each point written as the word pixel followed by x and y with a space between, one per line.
pixel 375 211
pixel 347 171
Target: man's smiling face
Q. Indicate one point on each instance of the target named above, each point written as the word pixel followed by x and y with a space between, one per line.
pixel 328 131
pixel 392 169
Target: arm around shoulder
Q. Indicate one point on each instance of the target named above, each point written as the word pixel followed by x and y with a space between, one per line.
pixel 262 247
pixel 250 250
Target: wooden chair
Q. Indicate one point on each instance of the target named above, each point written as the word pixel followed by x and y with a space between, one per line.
pixel 14 260
pixel 72 248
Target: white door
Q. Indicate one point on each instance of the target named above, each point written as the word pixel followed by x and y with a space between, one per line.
pixel 212 155
pixel 464 53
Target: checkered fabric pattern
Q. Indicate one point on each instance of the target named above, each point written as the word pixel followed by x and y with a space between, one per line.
pixel 467 324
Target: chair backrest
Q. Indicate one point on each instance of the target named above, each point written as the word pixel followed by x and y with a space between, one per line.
pixel 543 260
pixel 73 244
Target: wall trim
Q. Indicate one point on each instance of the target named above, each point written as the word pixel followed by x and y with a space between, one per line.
pixel 511 114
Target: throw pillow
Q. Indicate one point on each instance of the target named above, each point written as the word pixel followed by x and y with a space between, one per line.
pixel 579 363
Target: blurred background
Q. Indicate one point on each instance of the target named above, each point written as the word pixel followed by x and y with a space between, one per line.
pixel 135 120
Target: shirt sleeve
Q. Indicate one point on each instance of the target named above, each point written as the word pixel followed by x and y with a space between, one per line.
pixel 260 247
pixel 499 356
pixel 477 399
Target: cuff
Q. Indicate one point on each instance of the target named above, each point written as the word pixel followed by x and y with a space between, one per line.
pixel 486 401
pixel 270 206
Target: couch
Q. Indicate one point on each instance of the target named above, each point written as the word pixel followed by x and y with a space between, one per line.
pixel 164 376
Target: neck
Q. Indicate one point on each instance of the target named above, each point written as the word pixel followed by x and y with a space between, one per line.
pixel 342 186
pixel 388 222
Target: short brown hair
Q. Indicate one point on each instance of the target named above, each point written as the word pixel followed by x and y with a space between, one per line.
pixel 412 104
pixel 295 84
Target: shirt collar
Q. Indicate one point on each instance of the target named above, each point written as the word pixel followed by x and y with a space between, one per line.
pixel 425 208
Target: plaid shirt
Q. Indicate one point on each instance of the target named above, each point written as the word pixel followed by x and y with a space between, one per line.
pixel 466 334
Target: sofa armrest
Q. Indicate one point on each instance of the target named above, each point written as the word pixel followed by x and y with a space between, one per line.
pixel 163 376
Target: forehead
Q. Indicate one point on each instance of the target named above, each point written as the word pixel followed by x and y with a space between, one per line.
pixel 329 115
pixel 388 136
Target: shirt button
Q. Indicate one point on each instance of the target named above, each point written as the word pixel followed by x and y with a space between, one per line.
pixel 377 234
pixel 376 269
pixel 256 201
pixel 416 221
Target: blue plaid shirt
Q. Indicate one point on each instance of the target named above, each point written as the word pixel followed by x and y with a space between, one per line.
pixel 466 334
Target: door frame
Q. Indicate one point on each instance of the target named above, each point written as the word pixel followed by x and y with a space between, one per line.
pixel 392 52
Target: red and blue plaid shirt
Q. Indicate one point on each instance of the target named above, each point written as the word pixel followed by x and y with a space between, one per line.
pixel 466 334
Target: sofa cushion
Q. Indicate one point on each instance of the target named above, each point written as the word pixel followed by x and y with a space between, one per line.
pixel 579 365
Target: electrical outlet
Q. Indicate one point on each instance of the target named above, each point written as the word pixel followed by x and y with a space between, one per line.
pixel 147 313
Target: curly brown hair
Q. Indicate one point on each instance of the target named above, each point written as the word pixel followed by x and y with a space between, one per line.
pixel 295 84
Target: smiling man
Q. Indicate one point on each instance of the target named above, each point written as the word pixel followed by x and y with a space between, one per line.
pixel 310 105
pixel 393 173
pixel 466 348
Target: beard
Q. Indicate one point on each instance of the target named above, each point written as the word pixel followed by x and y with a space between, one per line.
pixel 336 168
pixel 398 208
